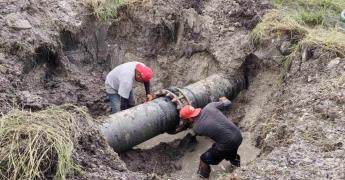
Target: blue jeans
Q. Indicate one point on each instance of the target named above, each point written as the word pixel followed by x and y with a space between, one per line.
pixel 115 102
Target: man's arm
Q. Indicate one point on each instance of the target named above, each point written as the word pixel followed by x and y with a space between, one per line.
pixel 147 87
pixel 149 97
pixel 180 128
pixel 223 104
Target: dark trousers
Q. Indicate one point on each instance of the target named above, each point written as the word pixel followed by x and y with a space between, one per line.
pixel 214 156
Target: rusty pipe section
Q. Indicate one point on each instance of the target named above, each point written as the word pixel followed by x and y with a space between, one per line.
pixel 133 126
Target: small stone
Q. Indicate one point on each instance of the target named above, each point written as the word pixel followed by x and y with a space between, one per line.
pixel 232 29
pixel 285 48
pixel 2 58
pixel 2 69
pixel 16 21
pixel 333 63
pixel 309 79
pixel 237 24
pixel 22 24
pixel 305 54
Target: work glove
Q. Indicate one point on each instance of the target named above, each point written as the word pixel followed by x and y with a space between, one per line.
pixel 148 98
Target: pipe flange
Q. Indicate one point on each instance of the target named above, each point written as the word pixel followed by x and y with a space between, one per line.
pixel 176 96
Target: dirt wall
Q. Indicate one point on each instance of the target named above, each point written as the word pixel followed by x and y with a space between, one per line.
pixel 66 59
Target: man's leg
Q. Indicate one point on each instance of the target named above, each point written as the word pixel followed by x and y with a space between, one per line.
pixel 236 161
pixel 211 157
pixel 114 102
pixel 204 169
pixel 233 157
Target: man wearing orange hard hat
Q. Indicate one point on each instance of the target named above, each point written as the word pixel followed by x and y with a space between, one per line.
pixel 211 122
pixel 119 84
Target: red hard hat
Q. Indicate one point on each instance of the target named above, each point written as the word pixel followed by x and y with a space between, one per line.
pixel 189 111
pixel 144 71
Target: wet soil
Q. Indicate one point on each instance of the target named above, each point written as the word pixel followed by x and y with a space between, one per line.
pixel 177 157
pixel 161 159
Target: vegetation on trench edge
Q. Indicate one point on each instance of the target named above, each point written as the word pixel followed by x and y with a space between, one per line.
pixel 38 145
pixel 104 10
pixel 308 23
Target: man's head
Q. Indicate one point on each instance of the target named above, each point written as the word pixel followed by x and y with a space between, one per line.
pixel 188 113
pixel 143 73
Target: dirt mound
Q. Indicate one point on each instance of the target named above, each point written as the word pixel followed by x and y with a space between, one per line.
pixel 161 159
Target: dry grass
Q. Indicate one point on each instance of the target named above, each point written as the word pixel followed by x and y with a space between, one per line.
pixel 308 23
pixel 276 23
pixel 105 10
pixel 331 40
pixel 38 145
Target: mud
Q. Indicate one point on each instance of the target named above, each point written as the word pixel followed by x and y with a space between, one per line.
pixel 160 159
pixel 179 157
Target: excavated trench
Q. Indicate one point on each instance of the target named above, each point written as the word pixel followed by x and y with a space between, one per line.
pixel 177 156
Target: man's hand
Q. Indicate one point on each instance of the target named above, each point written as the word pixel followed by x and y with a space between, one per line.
pixel 223 98
pixel 148 98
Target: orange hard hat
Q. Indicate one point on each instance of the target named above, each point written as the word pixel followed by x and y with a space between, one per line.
pixel 189 111
pixel 144 71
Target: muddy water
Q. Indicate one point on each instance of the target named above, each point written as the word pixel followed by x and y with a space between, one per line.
pixel 190 161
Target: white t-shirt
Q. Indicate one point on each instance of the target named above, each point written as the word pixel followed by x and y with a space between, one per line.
pixel 121 79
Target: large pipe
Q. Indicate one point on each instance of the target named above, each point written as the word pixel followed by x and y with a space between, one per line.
pixel 133 126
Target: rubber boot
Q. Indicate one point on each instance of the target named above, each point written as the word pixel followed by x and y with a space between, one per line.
pixel 237 161
pixel 204 170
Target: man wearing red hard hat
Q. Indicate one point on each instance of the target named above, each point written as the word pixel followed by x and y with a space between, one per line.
pixel 119 84
pixel 211 122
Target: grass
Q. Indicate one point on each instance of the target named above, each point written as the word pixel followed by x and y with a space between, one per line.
pixel 329 39
pixel 38 145
pixel 307 23
pixel 104 9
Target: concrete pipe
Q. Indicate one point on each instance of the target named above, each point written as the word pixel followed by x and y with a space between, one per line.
pixel 133 126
